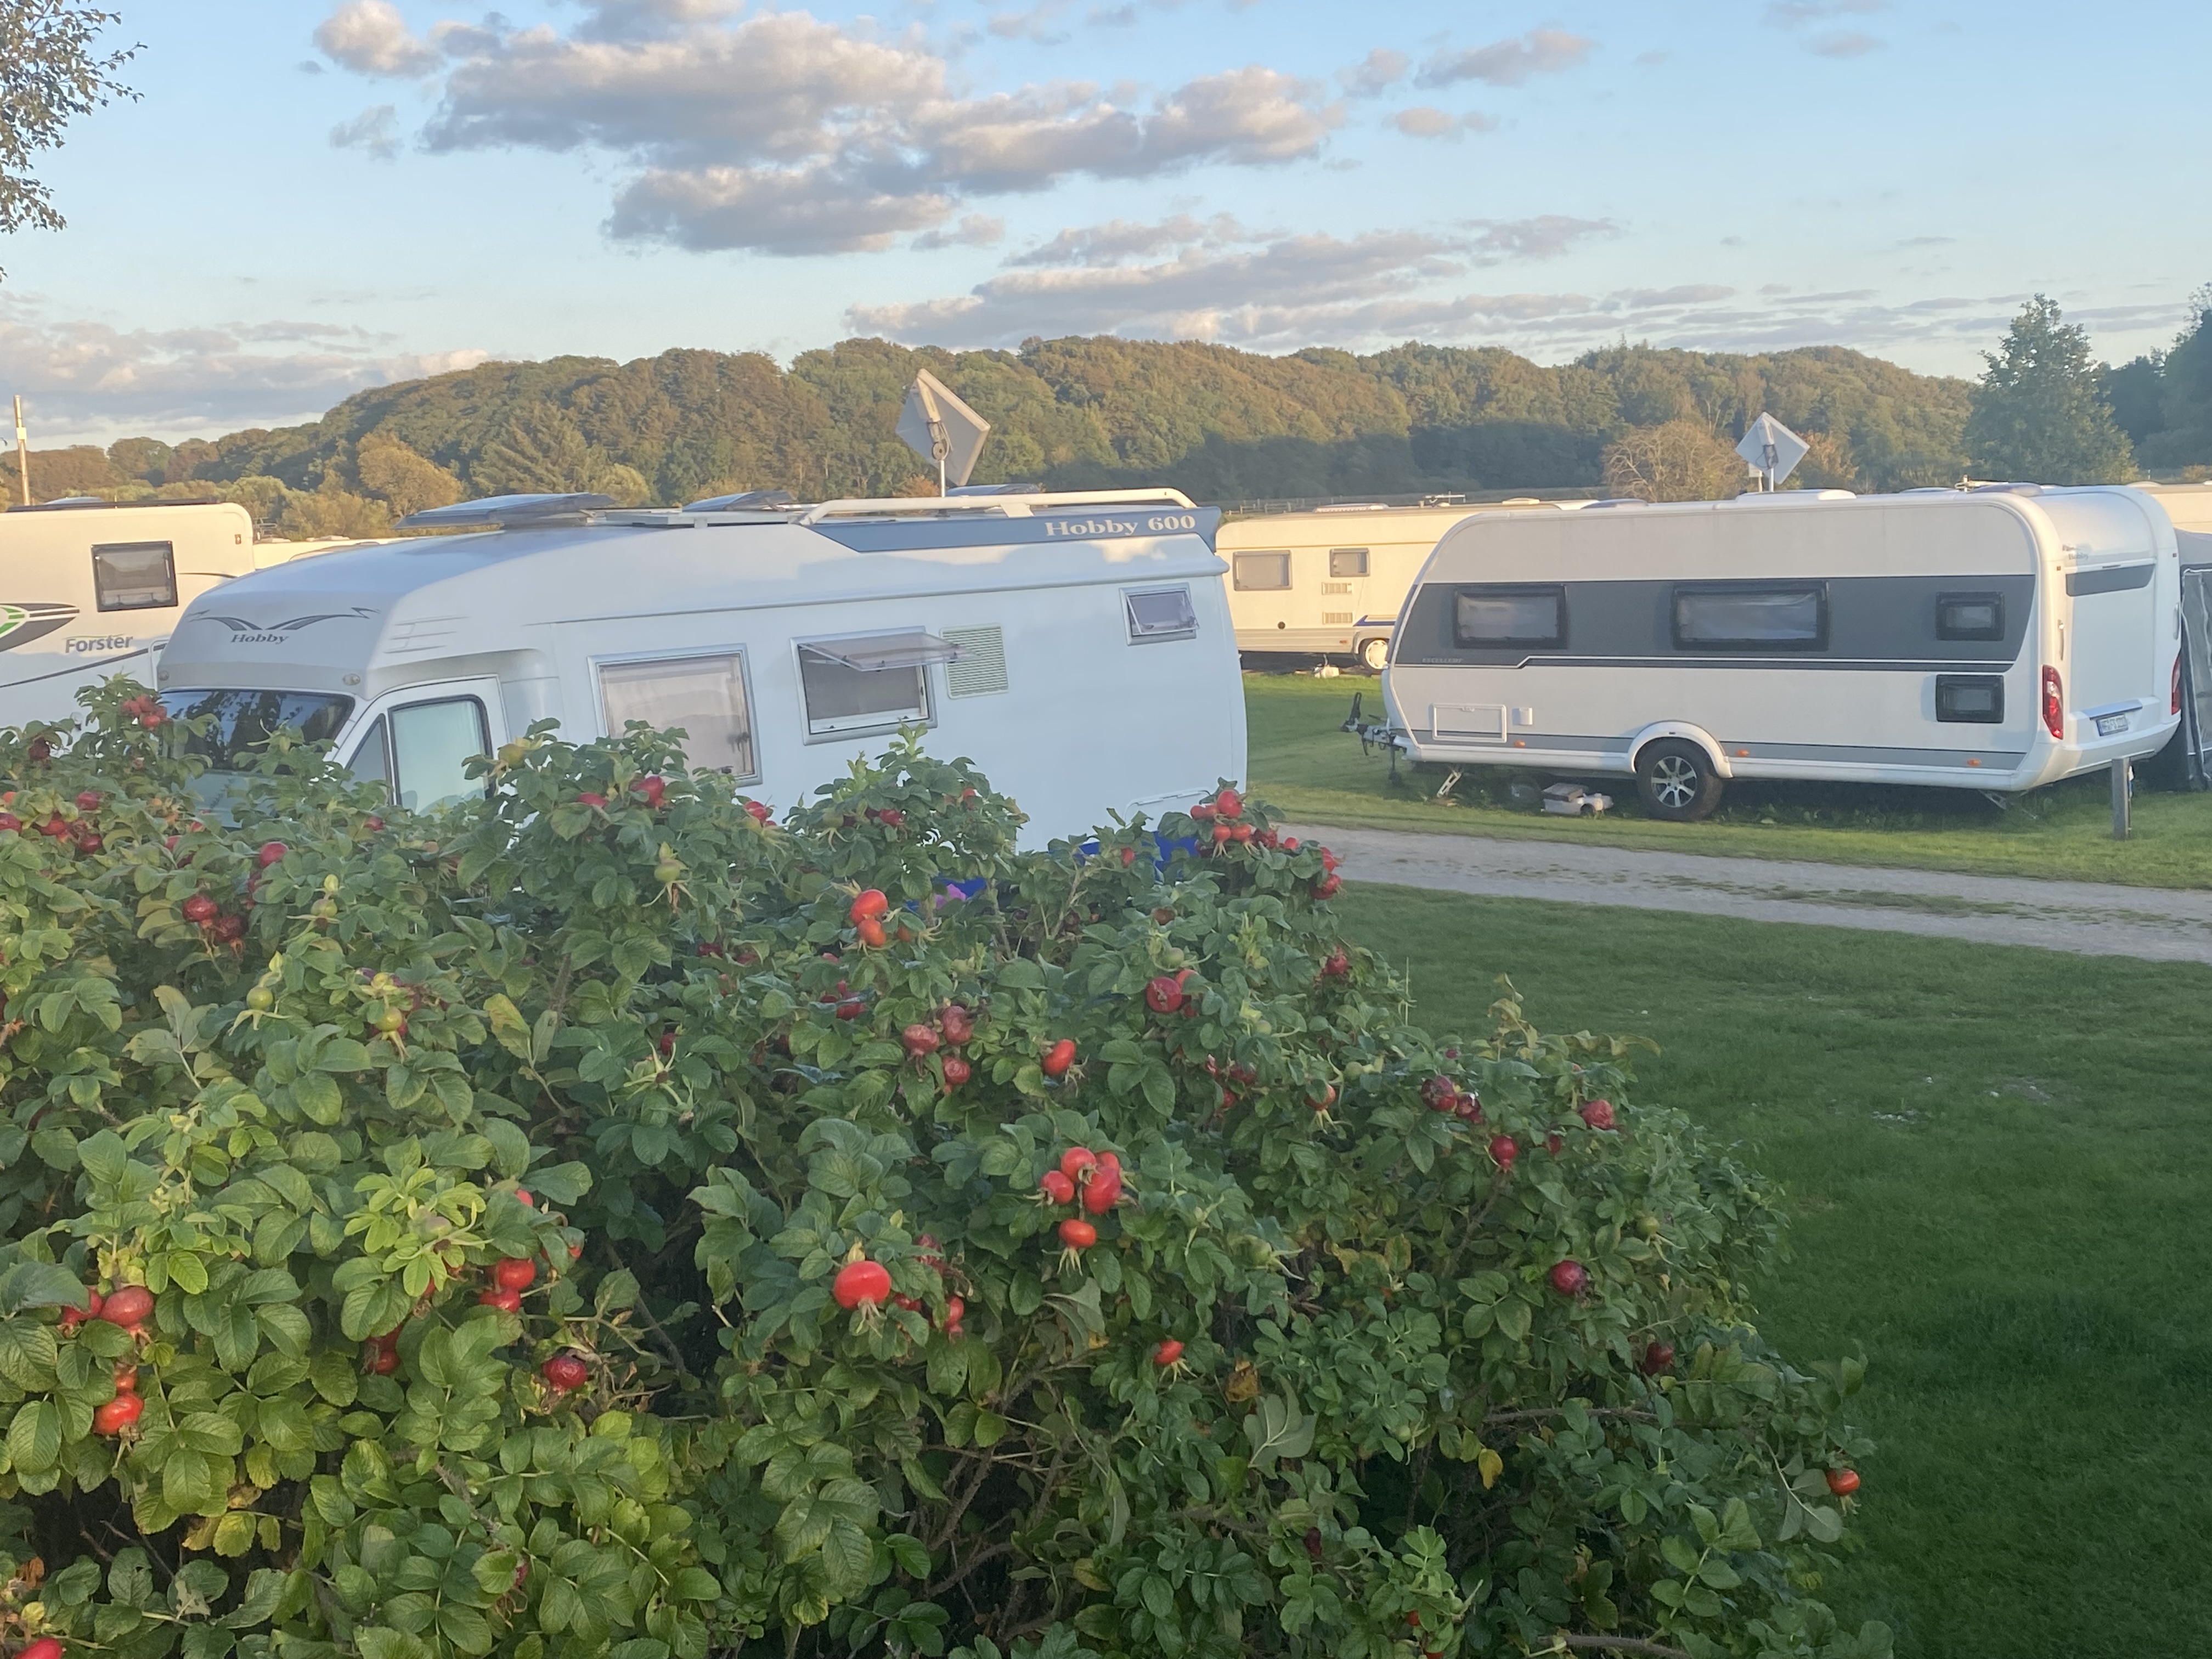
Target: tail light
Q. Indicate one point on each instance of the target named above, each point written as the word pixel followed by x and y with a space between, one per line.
pixel 2175 707
pixel 2054 705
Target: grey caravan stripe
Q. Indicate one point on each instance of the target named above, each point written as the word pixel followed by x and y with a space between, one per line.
pixel 1834 754
pixel 1887 622
pixel 2113 579
pixel 1795 663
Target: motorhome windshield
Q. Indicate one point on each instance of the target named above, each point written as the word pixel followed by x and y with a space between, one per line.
pixel 244 720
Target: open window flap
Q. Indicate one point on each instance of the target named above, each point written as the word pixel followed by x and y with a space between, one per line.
pixel 881 651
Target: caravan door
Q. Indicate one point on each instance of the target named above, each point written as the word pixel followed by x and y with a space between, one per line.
pixel 418 742
pixel 2196 734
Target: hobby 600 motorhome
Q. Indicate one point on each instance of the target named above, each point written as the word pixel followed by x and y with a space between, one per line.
pixel 1996 639
pixel 1076 646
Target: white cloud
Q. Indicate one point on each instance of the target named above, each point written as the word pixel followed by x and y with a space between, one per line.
pixel 1511 61
pixel 1799 15
pixel 375 129
pixel 87 379
pixel 1035 23
pixel 1374 74
pixel 780 132
pixel 1426 121
pixel 1544 237
pixel 782 210
pixel 973 230
pixel 369 37
pixel 1120 239
pixel 1217 281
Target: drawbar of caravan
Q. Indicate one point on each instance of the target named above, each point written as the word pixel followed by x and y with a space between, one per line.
pixel 1329 581
pixel 1996 640
pixel 90 589
pixel 1076 646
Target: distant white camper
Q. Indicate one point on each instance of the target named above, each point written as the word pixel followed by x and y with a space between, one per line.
pixel 1076 646
pixel 1995 640
pixel 90 589
pixel 1329 581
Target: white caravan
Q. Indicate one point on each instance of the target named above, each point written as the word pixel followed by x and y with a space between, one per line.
pixel 1995 640
pixel 88 589
pixel 1076 646
pixel 1330 580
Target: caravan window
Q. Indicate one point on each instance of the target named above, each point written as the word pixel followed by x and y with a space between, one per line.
pixel 1160 613
pixel 1489 617
pixel 1262 572
pixel 244 720
pixel 1969 616
pixel 868 684
pixel 1751 619
pixel 703 696
pixel 1344 562
pixel 1970 698
pixel 135 575
pixel 432 745
pixel 371 755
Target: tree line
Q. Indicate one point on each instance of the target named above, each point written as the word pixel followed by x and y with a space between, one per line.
pixel 1222 425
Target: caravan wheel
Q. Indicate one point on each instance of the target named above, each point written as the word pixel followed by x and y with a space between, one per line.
pixel 1677 781
pixel 1375 653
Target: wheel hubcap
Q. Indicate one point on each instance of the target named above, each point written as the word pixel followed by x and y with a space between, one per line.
pixel 1675 782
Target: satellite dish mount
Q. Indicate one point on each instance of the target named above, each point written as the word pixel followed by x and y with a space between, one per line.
pixel 936 425
pixel 1773 451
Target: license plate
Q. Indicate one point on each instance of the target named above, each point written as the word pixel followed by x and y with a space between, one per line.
pixel 2108 725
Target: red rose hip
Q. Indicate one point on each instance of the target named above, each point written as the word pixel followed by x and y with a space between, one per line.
pixel 565 1372
pixel 862 1284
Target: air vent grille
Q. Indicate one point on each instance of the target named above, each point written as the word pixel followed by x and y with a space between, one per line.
pixel 982 668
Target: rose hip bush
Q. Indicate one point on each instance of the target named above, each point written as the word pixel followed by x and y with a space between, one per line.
pixel 601 1220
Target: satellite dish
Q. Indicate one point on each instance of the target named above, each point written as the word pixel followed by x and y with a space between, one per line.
pixel 939 427
pixel 1772 450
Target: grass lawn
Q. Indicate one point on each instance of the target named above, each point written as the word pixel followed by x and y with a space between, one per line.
pixel 1304 767
pixel 1997 1161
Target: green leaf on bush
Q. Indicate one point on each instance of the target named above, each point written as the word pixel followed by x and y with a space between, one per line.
pixel 34 1437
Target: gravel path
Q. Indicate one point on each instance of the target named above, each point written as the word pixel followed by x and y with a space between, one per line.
pixel 2158 923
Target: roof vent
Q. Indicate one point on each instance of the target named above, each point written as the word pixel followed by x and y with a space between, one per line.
pixel 498 511
pixel 746 501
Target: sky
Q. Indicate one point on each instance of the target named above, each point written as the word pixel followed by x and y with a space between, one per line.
pixel 309 199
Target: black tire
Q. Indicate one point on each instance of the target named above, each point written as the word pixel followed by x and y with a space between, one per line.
pixel 1677 781
pixel 1374 653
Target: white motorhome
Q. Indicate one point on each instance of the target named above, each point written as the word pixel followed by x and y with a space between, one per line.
pixel 89 589
pixel 1329 581
pixel 1995 640
pixel 1076 646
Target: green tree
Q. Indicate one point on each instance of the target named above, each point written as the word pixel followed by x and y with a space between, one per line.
pixel 143 459
pixel 2183 440
pixel 1678 460
pixel 400 478
pixel 313 515
pixel 50 74
pixel 2039 413
pixel 79 469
